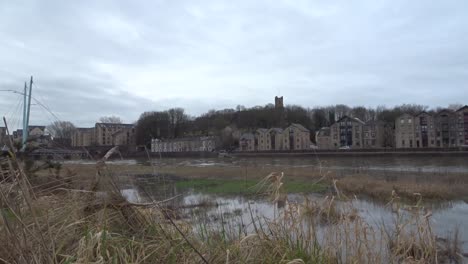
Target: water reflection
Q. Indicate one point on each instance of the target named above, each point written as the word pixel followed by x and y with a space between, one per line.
pixel 214 211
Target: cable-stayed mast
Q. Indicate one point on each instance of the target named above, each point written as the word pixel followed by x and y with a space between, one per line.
pixel 26 112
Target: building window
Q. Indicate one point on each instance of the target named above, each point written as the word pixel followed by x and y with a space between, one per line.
pixel 411 143
pixel 409 121
pixel 402 121
pixel 403 142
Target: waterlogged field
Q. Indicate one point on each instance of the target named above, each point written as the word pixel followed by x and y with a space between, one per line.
pixel 234 205
pixel 238 211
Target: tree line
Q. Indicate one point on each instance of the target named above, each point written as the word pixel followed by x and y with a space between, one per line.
pixel 175 122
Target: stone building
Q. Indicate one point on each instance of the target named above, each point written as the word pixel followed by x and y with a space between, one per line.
pixel 247 142
pixel 36 136
pixel 279 102
pixel 424 130
pixel 35 132
pixel 323 138
pixel 445 125
pixel 347 132
pixel 124 137
pixel 377 134
pixel 3 136
pixel 462 126
pixel 443 129
pixel 277 140
pixel 83 137
pixel 296 137
pixel 189 144
pixel 110 134
pixel 404 131
pixel 262 139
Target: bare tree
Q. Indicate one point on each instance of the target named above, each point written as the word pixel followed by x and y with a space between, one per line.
pixel 455 107
pixel 110 119
pixel 177 118
pixel 61 129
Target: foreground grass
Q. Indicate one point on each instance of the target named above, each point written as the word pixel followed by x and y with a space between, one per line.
pixel 238 186
pixel 58 219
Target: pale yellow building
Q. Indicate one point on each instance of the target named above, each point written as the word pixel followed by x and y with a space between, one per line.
pixel 323 138
pixel 247 142
pixel 424 131
pixel 192 144
pixel 462 126
pixel 83 137
pixel 296 137
pixel 277 140
pixel 404 131
pixel 109 134
pixel 262 139
pixel 347 132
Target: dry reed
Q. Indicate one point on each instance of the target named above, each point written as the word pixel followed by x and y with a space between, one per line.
pixel 65 224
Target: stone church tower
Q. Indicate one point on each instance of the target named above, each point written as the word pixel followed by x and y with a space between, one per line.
pixel 279 102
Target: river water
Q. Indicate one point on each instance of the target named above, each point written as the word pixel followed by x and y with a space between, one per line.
pixel 423 164
pixel 446 216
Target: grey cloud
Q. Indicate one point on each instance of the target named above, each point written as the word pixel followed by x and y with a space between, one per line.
pixel 124 57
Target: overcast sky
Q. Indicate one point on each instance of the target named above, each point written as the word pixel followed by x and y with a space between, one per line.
pixel 95 58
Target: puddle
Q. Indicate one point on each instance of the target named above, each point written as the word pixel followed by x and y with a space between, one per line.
pixel 215 211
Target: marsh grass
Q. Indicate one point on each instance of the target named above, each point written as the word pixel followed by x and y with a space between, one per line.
pixel 93 223
pixel 248 186
pixel 381 188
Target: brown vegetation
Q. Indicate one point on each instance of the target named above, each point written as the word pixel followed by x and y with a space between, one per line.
pixel 445 188
pixel 73 222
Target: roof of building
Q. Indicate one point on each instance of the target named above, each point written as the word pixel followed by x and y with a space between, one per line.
pixel 422 113
pixel 446 110
pixel 247 136
pixel 324 131
pixel 262 130
pixel 30 128
pixel 463 108
pixel 405 114
pixel 186 139
pixel 115 124
pixel 276 129
pixel 375 122
pixel 300 127
pixel 354 119
pixel 84 128
pixel 40 127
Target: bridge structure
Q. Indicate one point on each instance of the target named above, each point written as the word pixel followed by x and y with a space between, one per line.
pixel 58 154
